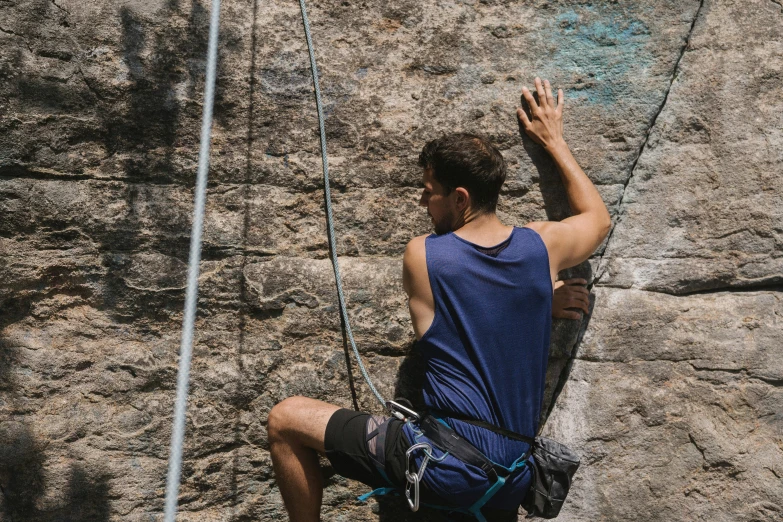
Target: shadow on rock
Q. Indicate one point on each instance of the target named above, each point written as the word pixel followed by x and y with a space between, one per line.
pixel 23 484
pixel 87 497
pixel 563 346
pixel 8 359
pixel 410 378
pixel 566 334
pixel 21 471
pixel 551 187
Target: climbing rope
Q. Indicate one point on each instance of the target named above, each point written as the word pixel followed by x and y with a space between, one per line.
pixel 191 294
pixel 328 198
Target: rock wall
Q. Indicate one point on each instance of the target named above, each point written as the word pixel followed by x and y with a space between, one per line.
pixel 671 388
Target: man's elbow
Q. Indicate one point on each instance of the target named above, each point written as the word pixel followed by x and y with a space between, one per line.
pixel 606 227
pixel 600 225
pixel 603 222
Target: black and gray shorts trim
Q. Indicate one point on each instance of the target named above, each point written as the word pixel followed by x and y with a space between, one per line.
pixel 355 441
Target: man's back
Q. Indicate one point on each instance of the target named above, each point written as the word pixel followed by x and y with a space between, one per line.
pixel 486 351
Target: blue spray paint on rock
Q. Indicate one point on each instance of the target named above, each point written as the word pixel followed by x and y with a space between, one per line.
pixel 600 53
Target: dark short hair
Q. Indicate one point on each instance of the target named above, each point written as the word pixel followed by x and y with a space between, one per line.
pixel 469 161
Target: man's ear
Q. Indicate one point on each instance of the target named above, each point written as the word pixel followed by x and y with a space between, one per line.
pixel 462 198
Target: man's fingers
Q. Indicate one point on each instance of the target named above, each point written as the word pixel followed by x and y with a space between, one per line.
pixel 522 115
pixel 560 101
pixel 577 302
pixel 575 296
pixel 582 298
pixel 531 102
pixel 575 281
pixel 568 314
pixel 541 94
pixel 549 99
pixel 575 290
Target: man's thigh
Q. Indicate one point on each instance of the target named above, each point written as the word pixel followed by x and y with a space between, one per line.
pixel 301 419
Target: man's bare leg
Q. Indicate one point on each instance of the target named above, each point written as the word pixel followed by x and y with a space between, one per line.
pixel 296 430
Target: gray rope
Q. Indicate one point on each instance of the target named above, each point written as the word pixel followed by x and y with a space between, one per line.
pixel 328 198
pixel 191 295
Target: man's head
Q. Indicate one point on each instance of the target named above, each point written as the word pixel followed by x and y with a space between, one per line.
pixel 463 174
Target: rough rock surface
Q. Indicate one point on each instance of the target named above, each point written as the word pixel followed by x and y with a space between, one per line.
pixel 670 389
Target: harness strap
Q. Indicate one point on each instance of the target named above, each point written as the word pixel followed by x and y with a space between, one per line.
pixel 378 492
pixel 475 509
pixel 444 437
pixel 448 440
pixel 483 424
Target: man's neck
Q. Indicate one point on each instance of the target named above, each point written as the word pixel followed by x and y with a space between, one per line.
pixel 483 229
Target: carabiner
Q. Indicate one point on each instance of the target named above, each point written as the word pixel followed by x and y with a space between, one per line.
pixel 401 412
pixel 414 479
pixel 413 504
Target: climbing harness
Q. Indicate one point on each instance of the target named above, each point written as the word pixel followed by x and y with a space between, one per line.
pixel 441 436
pixel 552 464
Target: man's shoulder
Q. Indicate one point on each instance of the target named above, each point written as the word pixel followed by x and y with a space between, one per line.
pixel 415 255
pixel 539 226
pixel 549 231
pixel 416 246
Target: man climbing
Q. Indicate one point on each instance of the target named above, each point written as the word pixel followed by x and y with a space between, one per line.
pixel 481 299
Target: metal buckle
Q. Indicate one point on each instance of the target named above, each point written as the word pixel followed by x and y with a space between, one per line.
pixel 414 479
pixel 401 412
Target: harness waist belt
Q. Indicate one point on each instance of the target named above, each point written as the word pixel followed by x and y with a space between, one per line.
pixel 483 424
pixel 447 439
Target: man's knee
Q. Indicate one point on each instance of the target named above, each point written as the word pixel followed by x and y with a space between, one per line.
pixel 283 417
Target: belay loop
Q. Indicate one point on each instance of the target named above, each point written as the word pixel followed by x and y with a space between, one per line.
pixel 402 412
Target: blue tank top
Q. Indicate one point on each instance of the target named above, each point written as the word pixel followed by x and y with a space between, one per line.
pixel 486 355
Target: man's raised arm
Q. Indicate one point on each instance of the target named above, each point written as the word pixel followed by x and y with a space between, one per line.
pixel 574 239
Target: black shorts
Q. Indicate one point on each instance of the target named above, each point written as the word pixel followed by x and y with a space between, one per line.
pixel 348 450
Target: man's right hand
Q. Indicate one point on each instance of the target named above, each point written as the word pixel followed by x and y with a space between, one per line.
pixel 545 124
pixel 569 295
pixel 575 238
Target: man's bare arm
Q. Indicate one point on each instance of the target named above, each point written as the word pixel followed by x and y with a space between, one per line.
pixel 415 281
pixel 575 238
